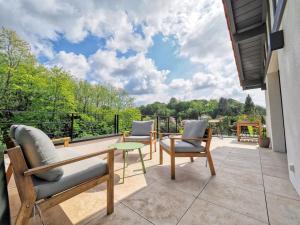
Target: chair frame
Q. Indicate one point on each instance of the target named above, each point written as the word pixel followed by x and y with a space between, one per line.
pixel 152 141
pixel 24 182
pixel 206 153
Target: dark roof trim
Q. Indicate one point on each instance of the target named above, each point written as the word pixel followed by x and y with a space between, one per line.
pixel 252 33
pixel 248 34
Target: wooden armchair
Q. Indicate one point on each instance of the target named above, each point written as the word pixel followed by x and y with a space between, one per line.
pixel 80 173
pixel 142 132
pixel 177 146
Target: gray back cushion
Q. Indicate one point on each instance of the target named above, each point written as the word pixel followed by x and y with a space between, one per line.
pixel 194 129
pixel 38 150
pixel 142 128
pixel 12 130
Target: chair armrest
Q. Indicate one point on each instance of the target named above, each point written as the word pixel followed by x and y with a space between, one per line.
pixel 46 168
pixel 161 135
pixel 188 139
pixel 66 140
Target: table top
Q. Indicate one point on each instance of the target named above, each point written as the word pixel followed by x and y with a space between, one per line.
pixel 127 145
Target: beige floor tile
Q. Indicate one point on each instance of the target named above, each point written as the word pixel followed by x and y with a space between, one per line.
pixel 268 154
pixel 280 187
pixel 254 158
pixel 131 185
pixel 86 204
pixel 273 171
pixel 205 213
pixel 250 203
pixel 53 216
pixel 243 165
pixel 121 216
pixel 241 178
pixel 275 159
pixel 199 166
pixel 274 162
pixel 283 210
pixel 186 179
pixel 159 204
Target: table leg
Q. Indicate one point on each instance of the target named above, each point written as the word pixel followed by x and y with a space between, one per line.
pixel 125 162
pixel 142 160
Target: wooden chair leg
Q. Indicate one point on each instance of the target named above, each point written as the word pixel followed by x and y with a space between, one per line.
pixel 155 145
pixel 110 184
pixel 161 159
pixel 210 163
pixel 150 150
pixel 172 167
pixel 192 159
pixel 24 213
pixel 9 172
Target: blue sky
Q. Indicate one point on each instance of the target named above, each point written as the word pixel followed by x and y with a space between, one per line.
pixel 171 48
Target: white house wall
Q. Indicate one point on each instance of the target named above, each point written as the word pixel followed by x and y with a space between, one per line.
pixel 289 66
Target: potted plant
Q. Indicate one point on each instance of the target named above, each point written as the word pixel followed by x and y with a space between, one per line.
pixel 264 140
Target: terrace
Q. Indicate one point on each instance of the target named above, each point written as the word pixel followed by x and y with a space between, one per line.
pixel 252 184
pixel 251 187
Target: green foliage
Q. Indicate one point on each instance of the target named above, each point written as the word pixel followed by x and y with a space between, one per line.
pixel 199 108
pixel 44 97
pixel 249 106
pixel 126 117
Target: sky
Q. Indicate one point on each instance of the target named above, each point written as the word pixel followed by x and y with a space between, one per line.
pixel 154 49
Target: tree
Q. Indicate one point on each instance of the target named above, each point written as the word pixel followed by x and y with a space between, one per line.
pixel 14 51
pixel 223 108
pixel 249 105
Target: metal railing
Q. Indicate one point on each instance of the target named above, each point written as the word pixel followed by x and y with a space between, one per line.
pixel 83 127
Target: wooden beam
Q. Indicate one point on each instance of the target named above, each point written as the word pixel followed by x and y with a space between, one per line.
pixel 252 33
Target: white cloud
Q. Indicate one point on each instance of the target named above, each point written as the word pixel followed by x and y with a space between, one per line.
pixel 77 65
pixel 199 27
pixel 136 74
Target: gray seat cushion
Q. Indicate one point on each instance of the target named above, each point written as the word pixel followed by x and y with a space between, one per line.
pixel 181 146
pixel 137 138
pixel 74 174
pixel 194 129
pixel 142 128
pixel 38 150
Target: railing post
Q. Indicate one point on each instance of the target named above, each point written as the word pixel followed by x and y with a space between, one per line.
pixel 118 123
pixel 115 124
pixel 176 125
pixel 72 126
pixel 168 124
pixel 157 126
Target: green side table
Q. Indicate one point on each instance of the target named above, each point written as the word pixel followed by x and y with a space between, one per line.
pixel 127 147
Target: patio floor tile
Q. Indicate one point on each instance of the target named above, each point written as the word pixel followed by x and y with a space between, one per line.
pixel 205 213
pixel 240 178
pixel 121 216
pixel 283 210
pixel 160 204
pixel 250 203
pixel 186 180
pixel 280 187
